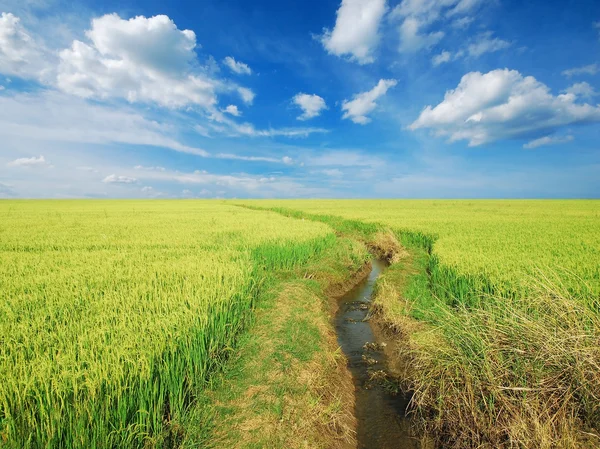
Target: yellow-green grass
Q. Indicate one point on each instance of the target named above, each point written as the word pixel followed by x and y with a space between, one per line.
pixel 500 345
pixel 114 313
pixel 506 242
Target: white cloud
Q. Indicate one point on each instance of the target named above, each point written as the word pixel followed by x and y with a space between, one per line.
pixel 287 160
pixel 20 54
pixel 413 40
pixel 502 104
pixel 246 95
pixel 478 46
pixel 237 66
pixel 356 30
pixel 141 167
pixel 31 116
pixel 29 162
pixel 443 57
pixel 231 128
pixel 345 158
pixel 548 140
pixel 114 179
pixel 247 129
pixel 311 105
pixel 140 59
pixel 333 172
pixel 249 158
pixel 87 169
pixel 2 88
pixel 232 110
pixel 591 69
pixel 252 185
pixel 583 90
pixel 485 43
pixel 364 103
pixel 463 22
pixel 418 17
pixel 597 26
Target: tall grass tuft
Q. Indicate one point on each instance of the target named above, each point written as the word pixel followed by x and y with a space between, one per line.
pixel 514 372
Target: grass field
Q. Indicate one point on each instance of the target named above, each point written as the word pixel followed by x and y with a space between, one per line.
pixel 113 313
pixel 498 310
pixel 507 241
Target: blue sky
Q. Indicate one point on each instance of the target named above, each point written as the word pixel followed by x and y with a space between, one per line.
pixel 340 98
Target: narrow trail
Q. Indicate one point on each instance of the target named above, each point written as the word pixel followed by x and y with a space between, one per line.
pixel 380 411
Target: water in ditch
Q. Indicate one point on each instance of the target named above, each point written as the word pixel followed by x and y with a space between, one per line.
pixel 381 413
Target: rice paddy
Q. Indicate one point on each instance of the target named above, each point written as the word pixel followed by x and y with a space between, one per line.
pixel 498 314
pixel 509 242
pixel 115 314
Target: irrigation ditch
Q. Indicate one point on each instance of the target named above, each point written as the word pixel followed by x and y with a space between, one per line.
pixel 380 405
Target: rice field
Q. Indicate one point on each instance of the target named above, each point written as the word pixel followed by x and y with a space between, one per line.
pixel 508 242
pixel 113 313
pixel 499 312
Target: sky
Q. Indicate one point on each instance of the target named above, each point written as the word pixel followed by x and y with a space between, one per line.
pixel 300 99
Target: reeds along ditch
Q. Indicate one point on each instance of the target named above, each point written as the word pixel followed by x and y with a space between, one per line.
pixel 115 313
pixel 496 361
pixel 510 370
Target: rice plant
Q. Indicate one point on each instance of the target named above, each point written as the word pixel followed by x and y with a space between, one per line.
pixel 114 313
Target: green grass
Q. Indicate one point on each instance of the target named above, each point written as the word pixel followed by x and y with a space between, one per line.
pixel 114 313
pixel 494 243
pixel 497 310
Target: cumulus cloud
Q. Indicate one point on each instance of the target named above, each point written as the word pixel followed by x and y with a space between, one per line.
pixel 591 69
pixel 232 110
pixel 547 140
pixel 418 20
pixel 114 179
pixel 365 102
pixel 237 66
pixel 311 105
pixel 29 162
pixel 356 30
pixel 140 59
pixel 502 104
pixel 20 54
pixel 583 90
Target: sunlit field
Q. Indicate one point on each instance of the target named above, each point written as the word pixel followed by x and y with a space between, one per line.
pixel 507 241
pixel 114 313
pixel 496 312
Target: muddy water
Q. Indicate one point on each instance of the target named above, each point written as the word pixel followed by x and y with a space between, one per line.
pixel 382 423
